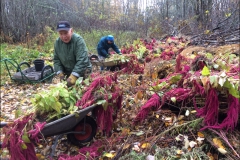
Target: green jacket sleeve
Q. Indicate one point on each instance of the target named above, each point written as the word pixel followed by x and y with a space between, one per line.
pixel 57 63
pixel 82 60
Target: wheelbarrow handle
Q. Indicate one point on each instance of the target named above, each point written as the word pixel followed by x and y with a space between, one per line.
pixel 2 124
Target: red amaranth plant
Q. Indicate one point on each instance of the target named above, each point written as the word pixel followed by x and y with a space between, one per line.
pixel 230 122
pixel 167 55
pixel 103 88
pixel 97 83
pixel 34 133
pixel 132 66
pixel 210 109
pixel 180 94
pixel 152 103
pixel 18 142
pixel 179 64
pixel 198 88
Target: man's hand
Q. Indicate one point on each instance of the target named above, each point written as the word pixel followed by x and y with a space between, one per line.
pixel 61 76
pixel 71 80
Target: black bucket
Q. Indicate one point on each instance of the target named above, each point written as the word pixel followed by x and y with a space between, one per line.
pixel 39 64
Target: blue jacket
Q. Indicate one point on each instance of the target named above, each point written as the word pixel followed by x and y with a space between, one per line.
pixel 103 46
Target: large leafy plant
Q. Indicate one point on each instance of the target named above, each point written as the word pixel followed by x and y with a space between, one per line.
pixel 56 102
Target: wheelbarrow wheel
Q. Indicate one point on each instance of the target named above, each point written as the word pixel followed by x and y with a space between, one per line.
pixel 48 77
pixel 90 131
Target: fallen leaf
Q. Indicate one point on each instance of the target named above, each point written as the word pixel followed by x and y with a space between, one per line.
pixel 192 144
pixel 205 71
pixel 179 152
pixel 200 134
pixel 204 81
pixel 126 146
pixel 139 95
pixel 146 145
pixel 136 148
pixel 150 157
pixel 200 140
pixel 222 150
pixel 109 155
pixel 218 143
pixel 154 75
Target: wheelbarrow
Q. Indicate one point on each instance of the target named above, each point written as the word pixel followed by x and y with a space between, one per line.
pixel 79 128
pixel 113 65
pixel 24 72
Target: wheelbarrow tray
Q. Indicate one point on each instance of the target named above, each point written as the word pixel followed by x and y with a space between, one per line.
pixel 106 63
pixel 31 74
pixel 66 123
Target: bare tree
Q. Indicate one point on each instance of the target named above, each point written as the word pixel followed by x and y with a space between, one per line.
pixel 21 19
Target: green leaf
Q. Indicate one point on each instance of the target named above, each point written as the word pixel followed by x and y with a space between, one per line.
pixel 105 105
pixel 79 80
pixel 67 99
pixel 41 104
pixel 232 57
pixel 25 138
pixel 175 78
pixel 57 107
pixel 18 113
pixel 23 146
pixel 159 86
pixel 213 80
pixel 86 81
pixel 64 92
pixel 100 102
pixel 234 92
pixel 139 133
pixel 209 55
pixel 205 71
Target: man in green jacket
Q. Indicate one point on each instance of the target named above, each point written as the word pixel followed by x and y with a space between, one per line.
pixel 70 54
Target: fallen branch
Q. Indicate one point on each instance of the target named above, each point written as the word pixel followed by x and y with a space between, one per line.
pixel 156 138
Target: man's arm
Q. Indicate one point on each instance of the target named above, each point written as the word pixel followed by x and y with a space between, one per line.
pixel 115 48
pixel 56 61
pixel 103 52
pixel 82 60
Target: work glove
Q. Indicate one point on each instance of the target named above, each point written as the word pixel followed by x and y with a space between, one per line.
pixel 71 80
pixel 61 76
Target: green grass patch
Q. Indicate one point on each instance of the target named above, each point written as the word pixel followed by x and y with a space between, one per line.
pixel 42 47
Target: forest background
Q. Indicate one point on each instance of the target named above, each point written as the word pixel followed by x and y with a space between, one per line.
pixel 22 20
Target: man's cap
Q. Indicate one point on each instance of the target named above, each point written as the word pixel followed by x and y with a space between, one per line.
pixel 110 38
pixel 63 25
